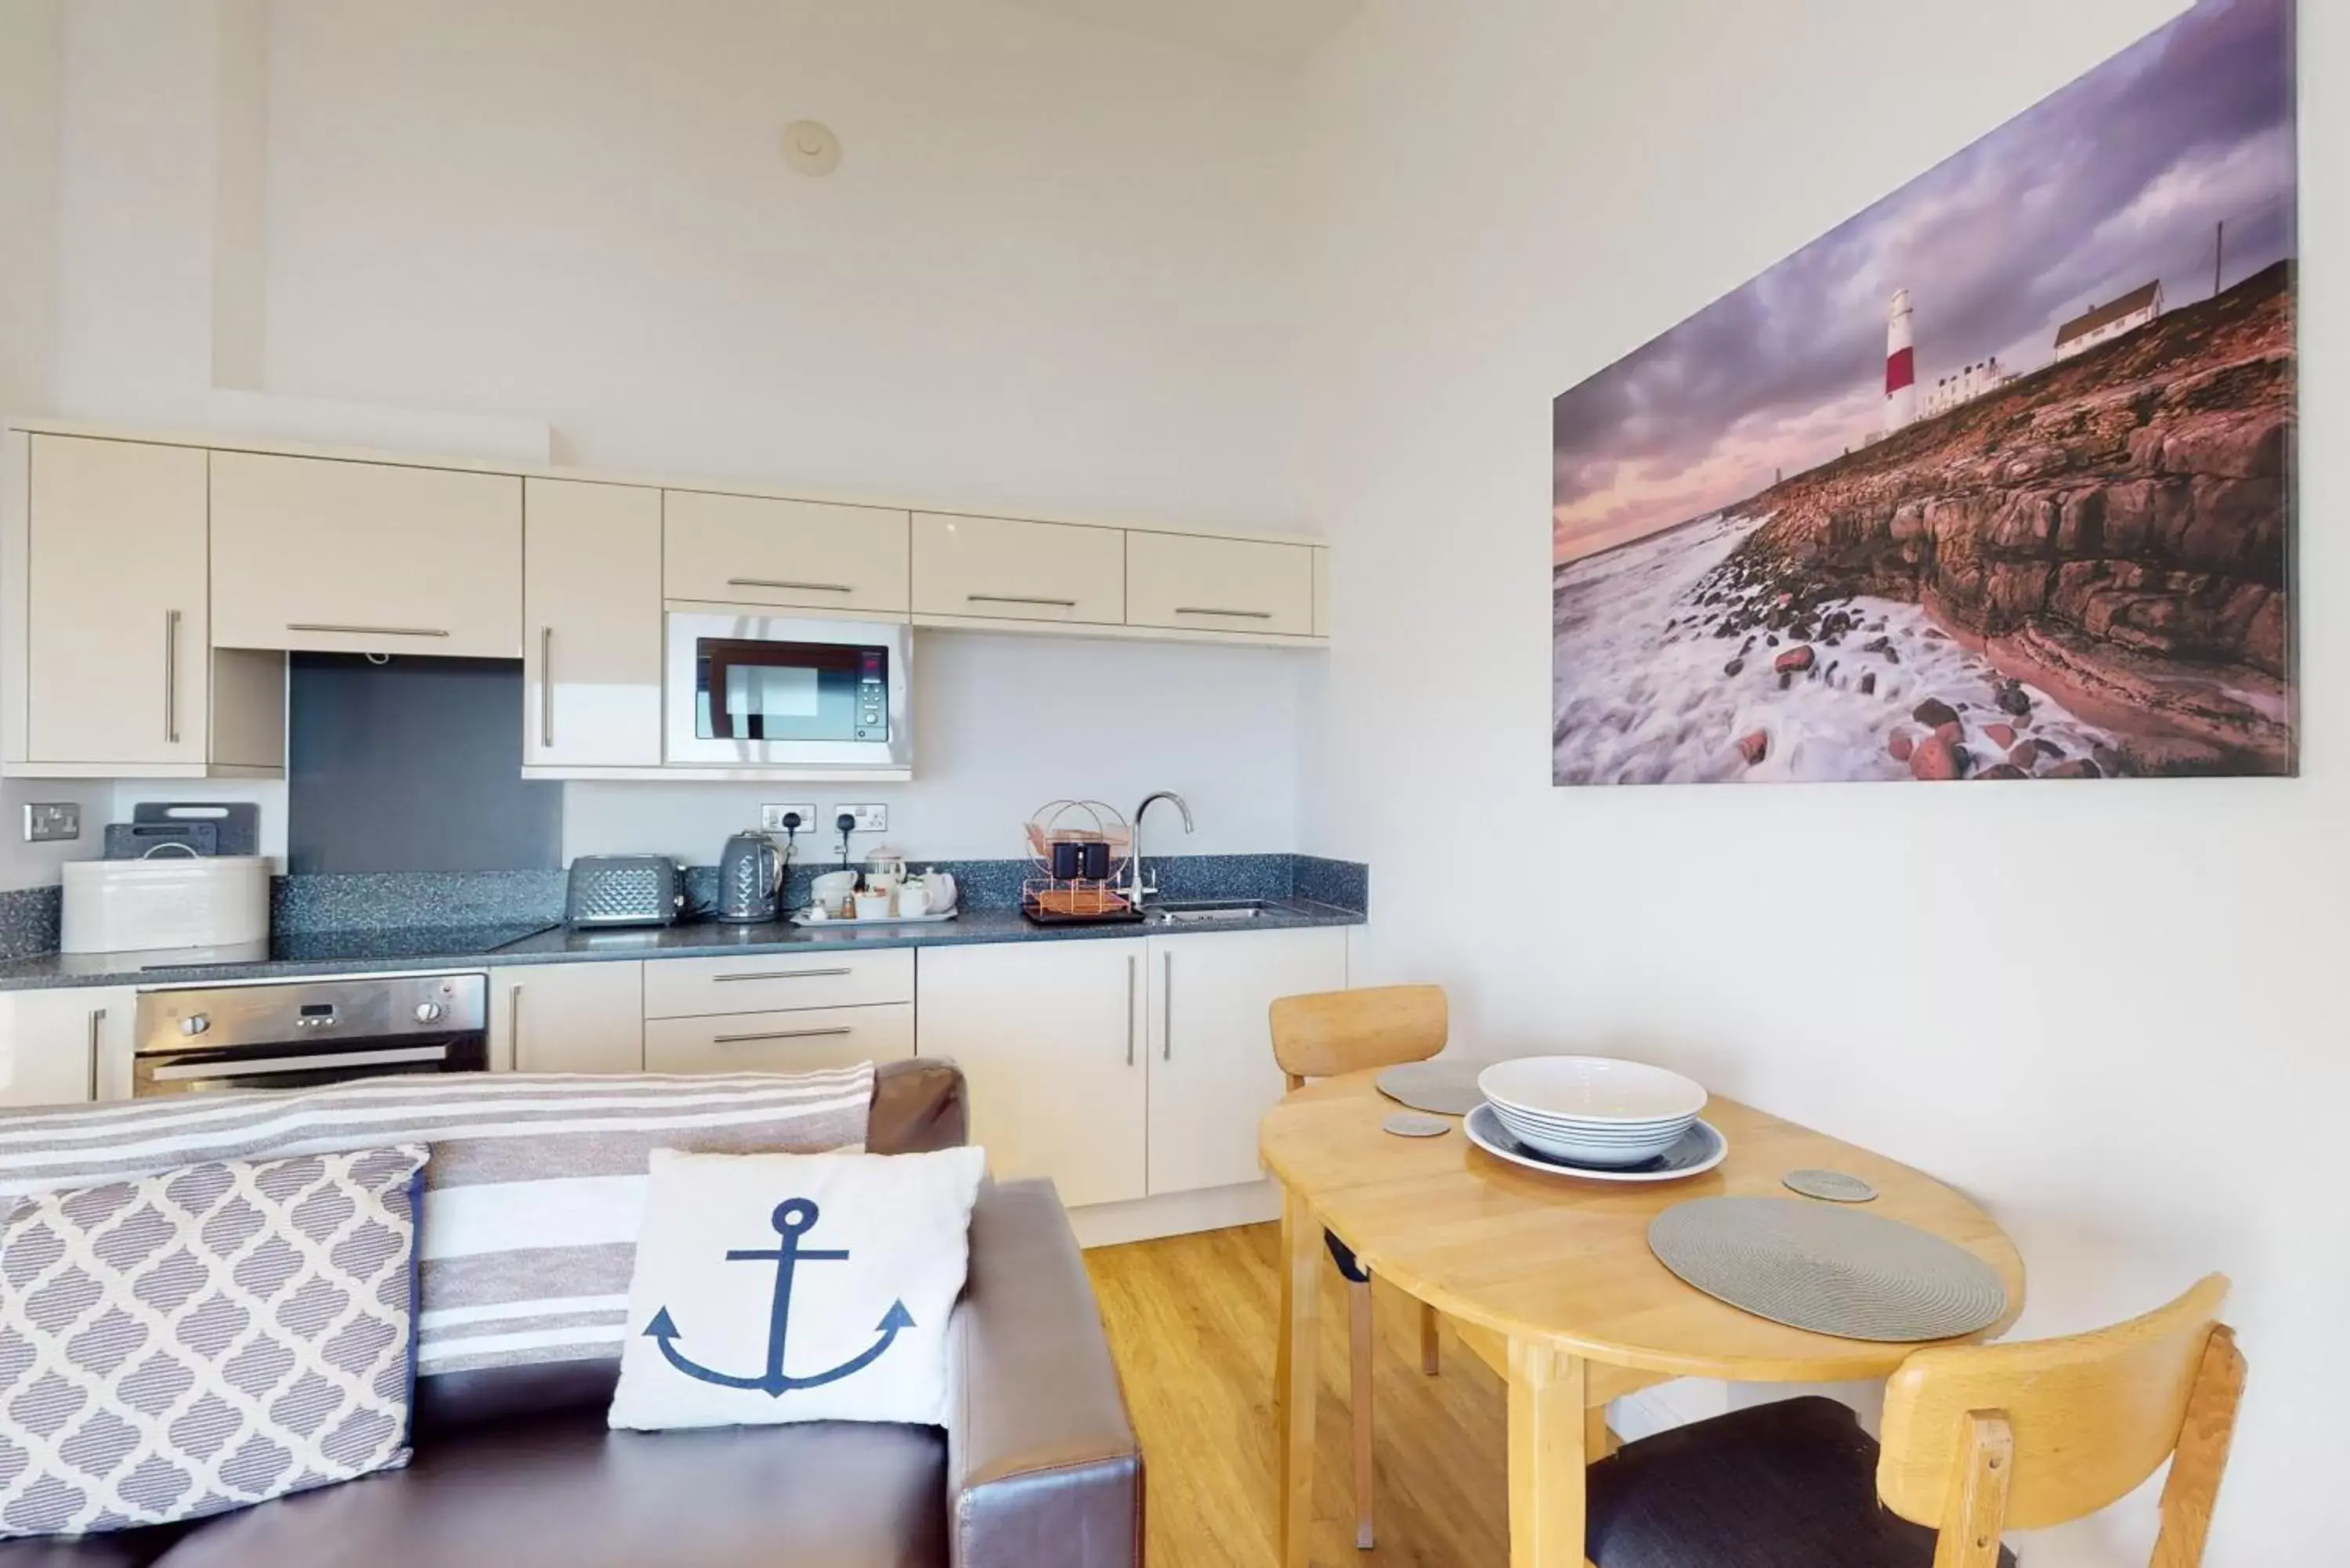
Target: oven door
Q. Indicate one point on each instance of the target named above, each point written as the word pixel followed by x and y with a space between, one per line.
pixel 749 689
pixel 304 1064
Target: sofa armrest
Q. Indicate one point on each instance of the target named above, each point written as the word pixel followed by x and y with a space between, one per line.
pixel 1042 1467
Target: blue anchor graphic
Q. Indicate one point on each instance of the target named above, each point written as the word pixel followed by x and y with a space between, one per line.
pixel 792 1218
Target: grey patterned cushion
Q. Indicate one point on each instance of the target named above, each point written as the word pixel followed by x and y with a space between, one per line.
pixel 183 1344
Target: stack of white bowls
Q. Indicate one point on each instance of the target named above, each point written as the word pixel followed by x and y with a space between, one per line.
pixel 1592 1110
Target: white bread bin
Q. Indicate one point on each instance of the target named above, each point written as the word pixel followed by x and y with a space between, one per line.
pixel 165 901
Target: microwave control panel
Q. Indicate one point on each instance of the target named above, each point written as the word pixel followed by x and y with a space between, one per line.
pixel 872 696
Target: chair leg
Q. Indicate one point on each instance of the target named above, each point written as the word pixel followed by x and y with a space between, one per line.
pixel 1428 1339
pixel 1359 1348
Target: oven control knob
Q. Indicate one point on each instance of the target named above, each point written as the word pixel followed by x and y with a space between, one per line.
pixel 428 1013
pixel 194 1023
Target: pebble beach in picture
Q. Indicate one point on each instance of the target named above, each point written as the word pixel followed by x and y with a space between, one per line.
pixel 1993 481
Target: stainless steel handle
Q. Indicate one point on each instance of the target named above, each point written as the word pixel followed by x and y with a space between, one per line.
pixel 1167 1007
pixel 366 630
pixel 1241 615
pixel 1130 962
pixel 96 1017
pixel 1019 599
pixel 777 974
pixel 171 677
pixel 778 1034
pixel 546 687
pixel 806 587
pixel 225 1070
pixel 514 1027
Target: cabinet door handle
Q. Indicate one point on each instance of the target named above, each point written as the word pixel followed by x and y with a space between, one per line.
pixel 1239 615
pixel 777 974
pixel 365 630
pixel 1167 1007
pixel 514 1027
pixel 97 1018
pixel 1019 599
pixel 804 587
pixel 1130 963
pixel 546 687
pixel 779 1034
pixel 171 677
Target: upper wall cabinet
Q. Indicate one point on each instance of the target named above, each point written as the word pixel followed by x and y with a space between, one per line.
pixel 995 568
pixel 365 558
pixel 119 675
pixel 591 625
pixel 1219 585
pixel 754 550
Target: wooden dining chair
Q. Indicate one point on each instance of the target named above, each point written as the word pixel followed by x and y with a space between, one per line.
pixel 1320 1036
pixel 1978 1440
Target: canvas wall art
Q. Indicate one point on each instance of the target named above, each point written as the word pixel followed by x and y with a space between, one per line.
pixel 1994 481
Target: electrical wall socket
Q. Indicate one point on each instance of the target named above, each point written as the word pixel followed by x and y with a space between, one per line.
pixel 869 818
pixel 50 820
pixel 771 817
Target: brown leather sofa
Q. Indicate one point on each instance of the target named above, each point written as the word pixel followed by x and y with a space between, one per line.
pixel 516 1469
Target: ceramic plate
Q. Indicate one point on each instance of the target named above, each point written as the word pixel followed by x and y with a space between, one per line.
pixel 1701 1149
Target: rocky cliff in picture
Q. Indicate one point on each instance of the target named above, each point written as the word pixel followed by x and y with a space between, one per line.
pixel 1992 482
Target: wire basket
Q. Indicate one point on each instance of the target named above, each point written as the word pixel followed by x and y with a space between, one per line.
pixel 1082 854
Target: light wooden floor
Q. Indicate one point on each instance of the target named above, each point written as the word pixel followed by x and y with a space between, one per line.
pixel 1191 1321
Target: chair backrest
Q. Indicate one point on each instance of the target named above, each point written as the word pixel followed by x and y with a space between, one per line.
pixel 1982 1439
pixel 1335 1031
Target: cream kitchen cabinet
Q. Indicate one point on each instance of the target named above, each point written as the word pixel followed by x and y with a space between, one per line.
pixel 778 982
pixel 119 677
pixel 365 558
pixel 803 1041
pixel 567 1018
pixel 1211 1070
pixel 756 550
pixel 592 625
pixel 67 1046
pixel 997 568
pixel 1050 1038
pixel 1244 587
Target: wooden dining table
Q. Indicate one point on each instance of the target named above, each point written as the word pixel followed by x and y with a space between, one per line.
pixel 1549 1281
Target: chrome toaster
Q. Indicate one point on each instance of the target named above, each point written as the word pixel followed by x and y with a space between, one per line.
pixel 624 890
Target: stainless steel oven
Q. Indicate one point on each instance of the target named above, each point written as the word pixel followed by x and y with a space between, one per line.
pixel 297 1034
pixel 745 689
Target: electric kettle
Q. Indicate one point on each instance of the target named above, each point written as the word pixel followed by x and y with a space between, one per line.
pixel 750 871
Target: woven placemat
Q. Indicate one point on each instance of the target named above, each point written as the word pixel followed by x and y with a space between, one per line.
pixel 1448 1088
pixel 1829 1269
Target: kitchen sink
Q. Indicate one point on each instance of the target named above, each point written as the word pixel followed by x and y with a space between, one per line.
pixel 1203 911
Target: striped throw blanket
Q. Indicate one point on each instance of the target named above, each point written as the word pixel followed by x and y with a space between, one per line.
pixel 533 1194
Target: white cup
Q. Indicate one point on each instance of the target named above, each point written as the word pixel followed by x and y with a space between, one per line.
pixel 914 901
pixel 873 906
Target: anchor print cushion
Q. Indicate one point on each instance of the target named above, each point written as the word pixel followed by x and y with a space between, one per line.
pixel 779 1287
pixel 181 1345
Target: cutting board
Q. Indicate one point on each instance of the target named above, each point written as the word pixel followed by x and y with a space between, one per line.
pixel 236 825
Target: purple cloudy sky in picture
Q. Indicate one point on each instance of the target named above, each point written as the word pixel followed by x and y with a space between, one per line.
pixel 2117 179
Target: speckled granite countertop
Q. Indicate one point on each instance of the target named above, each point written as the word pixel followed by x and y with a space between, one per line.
pixel 488 946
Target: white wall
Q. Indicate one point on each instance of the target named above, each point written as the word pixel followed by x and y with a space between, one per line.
pixel 2087 1006
pixel 1052 273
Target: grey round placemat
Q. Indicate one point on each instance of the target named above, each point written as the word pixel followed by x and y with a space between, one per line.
pixel 1832 1271
pixel 1833 1186
pixel 1409 1124
pixel 1448 1088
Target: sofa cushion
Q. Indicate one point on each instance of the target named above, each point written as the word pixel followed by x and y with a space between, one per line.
pixel 563 1491
pixel 202 1340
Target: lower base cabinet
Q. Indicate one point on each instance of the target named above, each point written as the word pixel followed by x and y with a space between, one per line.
pixel 567 1018
pixel 1049 1038
pixel 1122 1068
pixel 67 1046
pixel 804 1040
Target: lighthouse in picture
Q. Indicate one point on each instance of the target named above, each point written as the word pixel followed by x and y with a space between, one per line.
pixel 1900 367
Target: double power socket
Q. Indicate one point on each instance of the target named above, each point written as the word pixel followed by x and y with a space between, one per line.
pixel 869 818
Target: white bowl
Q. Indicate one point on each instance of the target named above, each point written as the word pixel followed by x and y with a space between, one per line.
pixel 1596 1128
pixel 1591 1089
pixel 1587 1149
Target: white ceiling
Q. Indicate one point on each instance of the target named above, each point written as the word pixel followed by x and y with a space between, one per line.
pixel 1275 32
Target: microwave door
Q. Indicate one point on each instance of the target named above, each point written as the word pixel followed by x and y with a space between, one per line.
pixel 769 691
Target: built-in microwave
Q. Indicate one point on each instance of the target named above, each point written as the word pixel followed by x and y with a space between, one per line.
pixel 749 689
